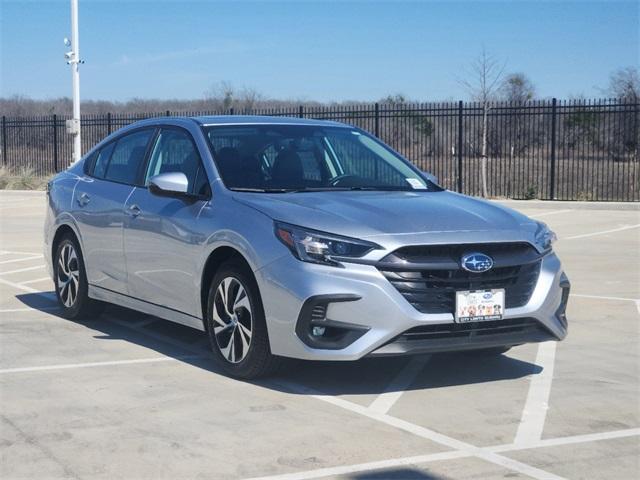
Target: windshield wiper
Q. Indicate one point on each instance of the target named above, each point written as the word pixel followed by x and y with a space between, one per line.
pixel 262 190
pixel 384 189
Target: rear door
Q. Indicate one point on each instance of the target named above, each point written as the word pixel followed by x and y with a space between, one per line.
pixel 98 205
pixel 162 234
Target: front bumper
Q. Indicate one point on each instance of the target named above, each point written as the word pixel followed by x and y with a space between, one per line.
pixel 382 315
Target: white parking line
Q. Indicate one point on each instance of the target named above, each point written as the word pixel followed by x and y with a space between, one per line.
pixel 601 297
pixel 603 232
pixel 555 212
pixel 429 434
pixel 573 439
pixel 11 252
pixel 397 386
pixel 37 280
pixel 537 404
pixel 28 309
pixel 24 259
pixel 96 364
pixel 28 269
pixel 434 457
pixel 20 287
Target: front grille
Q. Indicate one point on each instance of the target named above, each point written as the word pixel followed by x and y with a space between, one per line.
pixel 429 276
pixel 471 329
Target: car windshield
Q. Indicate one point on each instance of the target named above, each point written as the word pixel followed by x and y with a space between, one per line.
pixel 285 158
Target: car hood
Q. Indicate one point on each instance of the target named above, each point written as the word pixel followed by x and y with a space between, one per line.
pixel 387 214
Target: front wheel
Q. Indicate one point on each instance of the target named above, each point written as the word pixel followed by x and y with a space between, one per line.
pixel 236 323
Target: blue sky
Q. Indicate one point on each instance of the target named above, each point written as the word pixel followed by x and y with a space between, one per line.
pixel 329 50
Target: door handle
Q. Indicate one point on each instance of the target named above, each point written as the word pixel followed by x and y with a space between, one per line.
pixel 134 210
pixel 83 199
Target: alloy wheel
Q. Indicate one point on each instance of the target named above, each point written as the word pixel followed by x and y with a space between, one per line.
pixel 233 320
pixel 68 275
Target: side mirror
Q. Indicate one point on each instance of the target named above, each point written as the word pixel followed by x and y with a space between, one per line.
pixel 431 177
pixel 172 184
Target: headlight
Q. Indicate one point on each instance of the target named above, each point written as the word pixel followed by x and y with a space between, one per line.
pixel 544 237
pixel 318 247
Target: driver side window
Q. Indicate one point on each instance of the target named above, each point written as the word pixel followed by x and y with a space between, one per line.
pixel 174 151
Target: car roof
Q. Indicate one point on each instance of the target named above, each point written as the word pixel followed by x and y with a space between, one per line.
pixel 210 120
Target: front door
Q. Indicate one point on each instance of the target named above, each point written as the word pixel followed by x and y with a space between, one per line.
pixel 162 234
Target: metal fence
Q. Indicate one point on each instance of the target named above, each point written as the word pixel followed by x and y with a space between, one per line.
pixel 566 150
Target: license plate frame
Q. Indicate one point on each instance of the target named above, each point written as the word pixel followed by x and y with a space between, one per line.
pixel 484 305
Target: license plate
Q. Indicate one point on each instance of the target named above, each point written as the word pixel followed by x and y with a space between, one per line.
pixel 479 305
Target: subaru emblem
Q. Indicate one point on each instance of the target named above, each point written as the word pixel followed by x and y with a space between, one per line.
pixel 476 262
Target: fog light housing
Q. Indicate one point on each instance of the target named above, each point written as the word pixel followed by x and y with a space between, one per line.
pixel 317 331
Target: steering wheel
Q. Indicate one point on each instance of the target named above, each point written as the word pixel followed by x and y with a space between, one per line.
pixel 336 181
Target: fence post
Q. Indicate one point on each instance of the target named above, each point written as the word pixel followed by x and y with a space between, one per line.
pixel 231 111
pixel 55 143
pixel 168 113
pixel 4 140
pixel 301 111
pixel 377 126
pixel 460 146
pixel 109 123
pixel 552 176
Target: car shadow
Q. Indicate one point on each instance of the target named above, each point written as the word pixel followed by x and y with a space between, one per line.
pixel 395 474
pixel 362 377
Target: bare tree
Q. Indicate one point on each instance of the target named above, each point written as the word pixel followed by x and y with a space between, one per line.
pixel 221 95
pixel 624 84
pixel 250 98
pixel 517 88
pixel 483 84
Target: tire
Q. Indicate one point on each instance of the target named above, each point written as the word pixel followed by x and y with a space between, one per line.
pixel 487 352
pixel 236 327
pixel 70 279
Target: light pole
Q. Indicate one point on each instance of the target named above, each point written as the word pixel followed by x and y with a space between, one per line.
pixel 73 59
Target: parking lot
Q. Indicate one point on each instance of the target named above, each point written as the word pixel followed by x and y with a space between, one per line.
pixel 130 396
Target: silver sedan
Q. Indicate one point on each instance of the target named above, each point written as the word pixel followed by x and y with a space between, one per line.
pixel 285 237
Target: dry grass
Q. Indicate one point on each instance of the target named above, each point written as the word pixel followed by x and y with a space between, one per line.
pixel 21 179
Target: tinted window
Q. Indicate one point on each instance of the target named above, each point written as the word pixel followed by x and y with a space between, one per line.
pixel 127 157
pixel 102 160
pixel 175 151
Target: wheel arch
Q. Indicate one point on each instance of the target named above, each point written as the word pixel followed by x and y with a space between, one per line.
pixel 61 231
pixel 215 259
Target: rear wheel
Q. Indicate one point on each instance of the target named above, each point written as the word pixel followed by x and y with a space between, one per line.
pixel 236 323
pixel 70 280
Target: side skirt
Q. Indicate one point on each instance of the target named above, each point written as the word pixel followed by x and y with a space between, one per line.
pixel 165 313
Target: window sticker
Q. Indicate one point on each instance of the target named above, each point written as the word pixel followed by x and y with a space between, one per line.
pixel 416 184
